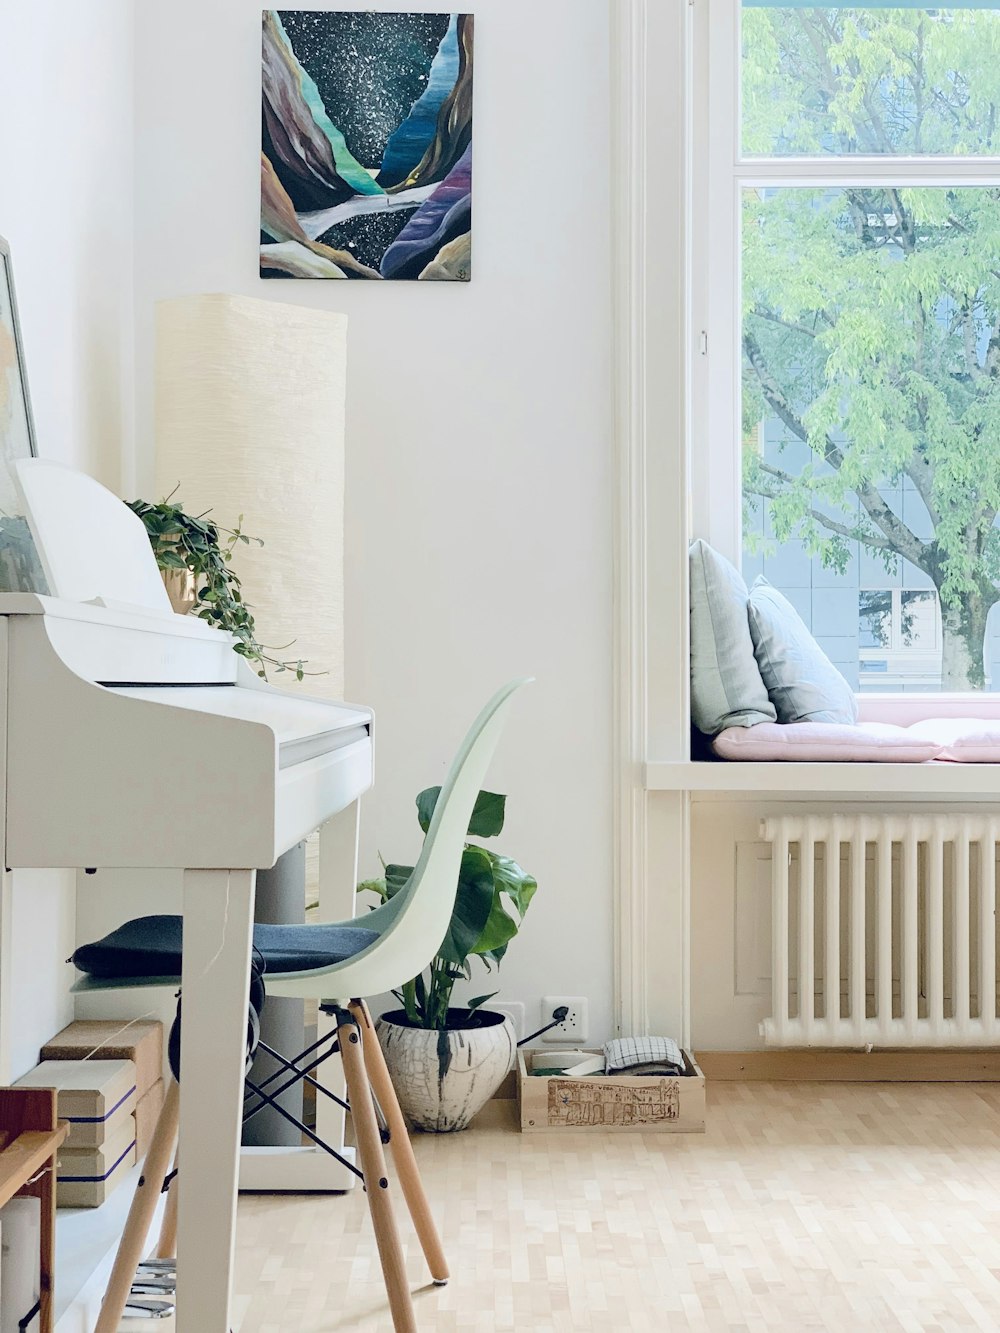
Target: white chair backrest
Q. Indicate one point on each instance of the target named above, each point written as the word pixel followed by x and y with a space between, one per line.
pixel 425 905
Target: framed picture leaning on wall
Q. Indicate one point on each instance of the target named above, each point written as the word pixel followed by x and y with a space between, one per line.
pixel 20 569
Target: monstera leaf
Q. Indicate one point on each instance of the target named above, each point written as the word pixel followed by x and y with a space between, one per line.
pixel 492 895
pixel 487 813
pixel 473 905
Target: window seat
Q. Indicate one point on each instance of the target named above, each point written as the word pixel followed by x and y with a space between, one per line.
pixel 933 778
pixel 932 781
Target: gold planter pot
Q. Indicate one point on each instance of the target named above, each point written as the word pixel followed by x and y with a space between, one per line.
pixel 182 589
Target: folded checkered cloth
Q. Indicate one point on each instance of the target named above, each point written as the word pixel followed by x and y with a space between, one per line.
pixel 643 1055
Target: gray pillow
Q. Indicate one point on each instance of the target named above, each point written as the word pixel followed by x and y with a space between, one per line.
pixel 726 685
pixel 803 683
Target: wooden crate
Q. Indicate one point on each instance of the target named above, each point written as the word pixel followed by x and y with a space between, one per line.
pixel 608 1104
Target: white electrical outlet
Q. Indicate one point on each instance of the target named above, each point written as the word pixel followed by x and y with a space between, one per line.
pixel 514 1009
pixel 573 1028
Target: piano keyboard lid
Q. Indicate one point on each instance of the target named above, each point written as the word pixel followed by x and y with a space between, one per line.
pixel 303 728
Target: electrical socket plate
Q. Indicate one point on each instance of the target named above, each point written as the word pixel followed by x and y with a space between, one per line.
pixel 574 1026
pixel 514 1009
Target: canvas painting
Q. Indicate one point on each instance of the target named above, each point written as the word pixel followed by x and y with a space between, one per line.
pixel 366 161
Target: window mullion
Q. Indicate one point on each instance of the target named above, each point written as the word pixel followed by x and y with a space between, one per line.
pixel 902 171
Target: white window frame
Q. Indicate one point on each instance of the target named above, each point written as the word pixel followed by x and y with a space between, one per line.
pixel 719 175
pixel 677 455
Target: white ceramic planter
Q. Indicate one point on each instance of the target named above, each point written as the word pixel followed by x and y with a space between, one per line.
pixel 443 1078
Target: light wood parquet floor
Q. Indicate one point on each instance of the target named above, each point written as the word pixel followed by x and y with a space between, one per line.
pixel 804 1206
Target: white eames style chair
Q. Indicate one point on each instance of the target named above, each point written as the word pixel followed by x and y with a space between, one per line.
pixel 409 929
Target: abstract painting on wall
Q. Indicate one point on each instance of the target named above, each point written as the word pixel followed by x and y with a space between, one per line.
pixel 366 146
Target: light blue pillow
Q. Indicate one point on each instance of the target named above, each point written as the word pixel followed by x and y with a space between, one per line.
pixel 726 685
pixel 802 682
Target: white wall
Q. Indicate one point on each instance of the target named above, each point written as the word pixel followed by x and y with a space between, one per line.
pixel 479 455
pixel 66 209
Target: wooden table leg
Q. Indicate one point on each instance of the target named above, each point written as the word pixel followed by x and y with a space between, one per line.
pixel 215 991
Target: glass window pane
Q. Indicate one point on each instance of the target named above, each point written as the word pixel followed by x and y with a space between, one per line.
pixel 844 79
pixel 871 422
pixel 875 619
pixel 918 621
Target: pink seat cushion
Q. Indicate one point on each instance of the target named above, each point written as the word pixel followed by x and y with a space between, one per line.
pixel 828 742
pixel 963 740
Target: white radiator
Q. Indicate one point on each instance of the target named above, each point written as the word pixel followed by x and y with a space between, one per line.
pixel 884 930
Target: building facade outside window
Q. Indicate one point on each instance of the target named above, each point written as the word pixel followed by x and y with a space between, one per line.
pixel 847 304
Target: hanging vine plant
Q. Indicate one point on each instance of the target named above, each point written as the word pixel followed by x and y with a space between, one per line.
pixel 204 550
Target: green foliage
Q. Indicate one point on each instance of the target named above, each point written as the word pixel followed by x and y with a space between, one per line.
pixel 181 542
pixel 871 316
pixel 881 80
pixel 482 924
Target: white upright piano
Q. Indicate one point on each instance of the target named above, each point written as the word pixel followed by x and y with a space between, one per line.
pixel 137 738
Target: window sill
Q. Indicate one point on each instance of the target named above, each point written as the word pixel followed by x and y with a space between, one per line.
pixel 932 781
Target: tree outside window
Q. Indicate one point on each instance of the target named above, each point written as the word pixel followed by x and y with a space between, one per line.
pixel 871 310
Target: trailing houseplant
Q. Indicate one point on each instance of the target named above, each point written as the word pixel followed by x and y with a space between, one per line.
pixel 447 1060
pixel 195 555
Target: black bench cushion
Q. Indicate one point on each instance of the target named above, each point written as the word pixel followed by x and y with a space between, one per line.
pixel 150 946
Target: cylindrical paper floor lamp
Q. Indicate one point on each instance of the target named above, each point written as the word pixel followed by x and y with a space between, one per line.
pixel 250 420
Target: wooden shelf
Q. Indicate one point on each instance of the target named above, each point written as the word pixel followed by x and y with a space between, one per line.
pixel 932 782
pixel 30 1137
pixel 24 1156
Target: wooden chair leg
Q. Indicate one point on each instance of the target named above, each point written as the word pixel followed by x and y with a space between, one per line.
pixel 359 1094
pixel 47 1204
pixel 166 1246
pixel 140 1215
pixel 400 1146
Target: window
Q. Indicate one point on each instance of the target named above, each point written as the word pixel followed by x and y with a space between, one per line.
pixel 847 293
pixel 899 639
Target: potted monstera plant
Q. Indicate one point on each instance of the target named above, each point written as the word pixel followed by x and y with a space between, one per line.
pixel 446 1060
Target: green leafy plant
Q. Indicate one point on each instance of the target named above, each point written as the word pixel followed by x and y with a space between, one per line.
pixel 481 925
pixel 203 548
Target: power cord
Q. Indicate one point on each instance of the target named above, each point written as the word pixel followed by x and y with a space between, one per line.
pixel 559 1015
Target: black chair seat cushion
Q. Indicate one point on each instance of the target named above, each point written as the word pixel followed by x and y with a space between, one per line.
pixel 150 946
